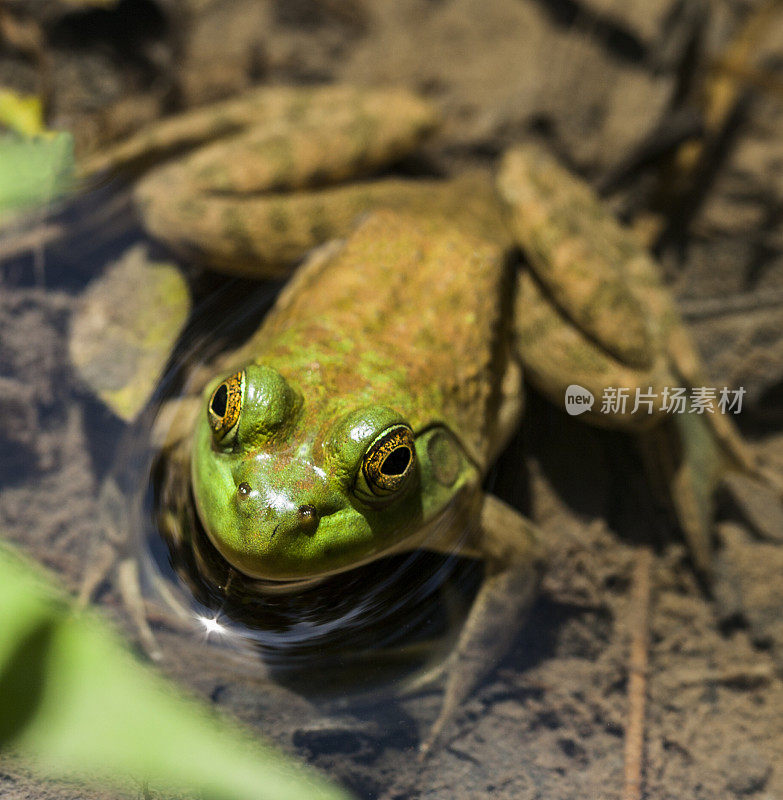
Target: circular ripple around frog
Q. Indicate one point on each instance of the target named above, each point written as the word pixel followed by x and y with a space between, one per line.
pixel 378 622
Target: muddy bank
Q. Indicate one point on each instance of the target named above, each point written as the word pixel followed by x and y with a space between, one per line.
pixel 592 80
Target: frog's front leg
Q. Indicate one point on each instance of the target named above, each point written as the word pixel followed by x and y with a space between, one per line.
pixel 510 546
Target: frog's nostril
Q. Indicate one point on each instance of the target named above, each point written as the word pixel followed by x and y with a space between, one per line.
pixel 308 517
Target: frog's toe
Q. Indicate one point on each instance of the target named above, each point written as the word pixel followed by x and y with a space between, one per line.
pixel 133 601
pixel 686 463
pixel 757 499
pixel 697 459
pixel 100 566
pixel 494 621
pixel 109 562
pixel 105 564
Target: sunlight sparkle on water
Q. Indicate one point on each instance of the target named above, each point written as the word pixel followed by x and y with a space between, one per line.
pixel 212 625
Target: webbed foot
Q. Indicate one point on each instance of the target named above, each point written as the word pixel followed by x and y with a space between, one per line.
pixel 110 562
pixel 514 556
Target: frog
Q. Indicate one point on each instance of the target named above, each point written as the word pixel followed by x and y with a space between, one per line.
pixel 362 416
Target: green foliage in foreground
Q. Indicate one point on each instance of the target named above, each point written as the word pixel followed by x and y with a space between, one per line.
pixel 76 701
pixel 36 165
pixel 33 170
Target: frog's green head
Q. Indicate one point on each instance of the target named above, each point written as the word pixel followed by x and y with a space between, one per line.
pixel 285 494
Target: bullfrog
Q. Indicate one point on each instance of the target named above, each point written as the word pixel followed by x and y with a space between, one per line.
pixel 363 415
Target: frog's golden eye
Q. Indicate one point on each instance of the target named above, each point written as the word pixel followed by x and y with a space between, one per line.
pixel 225 406
pixel 389 461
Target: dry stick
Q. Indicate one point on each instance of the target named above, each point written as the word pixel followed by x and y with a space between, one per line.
pixel 722 87
pixel 637 676
pixel 693 308
pixel 15 243
pixel 764 80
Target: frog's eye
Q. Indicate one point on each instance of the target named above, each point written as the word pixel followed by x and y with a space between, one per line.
pixel 388 462
pixel 225 405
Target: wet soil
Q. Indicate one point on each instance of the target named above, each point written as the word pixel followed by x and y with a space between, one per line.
pixel 592 78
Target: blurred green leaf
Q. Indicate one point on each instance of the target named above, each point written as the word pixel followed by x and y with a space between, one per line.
pixel 33 171
pixel 36 165
pixel 21 113
pixel 73 698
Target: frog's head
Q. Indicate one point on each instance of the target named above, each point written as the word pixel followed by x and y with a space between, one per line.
pixel 283 494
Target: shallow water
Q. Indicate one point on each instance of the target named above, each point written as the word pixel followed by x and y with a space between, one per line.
pixel 549 721
pixel 390 607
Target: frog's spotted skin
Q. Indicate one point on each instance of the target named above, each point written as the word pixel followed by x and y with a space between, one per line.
pixel 418 356
pixel 413 331
pixel 609 321
pixel 433 365
pixel 374 122
pixel 257 201
pixel 270 185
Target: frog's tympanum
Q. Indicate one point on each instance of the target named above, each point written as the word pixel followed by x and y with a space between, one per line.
pixel 362 416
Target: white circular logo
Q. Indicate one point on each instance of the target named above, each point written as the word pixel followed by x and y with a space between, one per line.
pixel 578 400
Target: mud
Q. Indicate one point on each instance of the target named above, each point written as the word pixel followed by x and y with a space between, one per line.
pixel 591 78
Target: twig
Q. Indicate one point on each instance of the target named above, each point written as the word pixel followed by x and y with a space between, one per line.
pixel 742 676
pixel 30 240
pixel 703 307
pixel 761 79
pixel 637 676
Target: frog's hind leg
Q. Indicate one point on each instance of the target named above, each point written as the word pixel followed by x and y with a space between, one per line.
pixel 687 462
pixel 683 458
pixel 592 311
pixel 109 561
pixel 694 454
pixel 112 560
